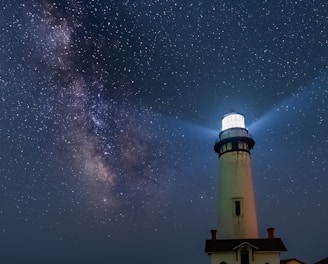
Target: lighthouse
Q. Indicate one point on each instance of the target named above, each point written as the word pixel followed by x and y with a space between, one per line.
pixel 236 203
pixel 237 238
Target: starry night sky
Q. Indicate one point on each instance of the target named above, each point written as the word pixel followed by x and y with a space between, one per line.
pixel 110 110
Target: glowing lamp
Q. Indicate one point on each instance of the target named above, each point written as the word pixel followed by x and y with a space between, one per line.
pixel 233 120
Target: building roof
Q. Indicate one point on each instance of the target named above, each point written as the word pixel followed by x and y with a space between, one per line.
pixel 258 244
pixel 291 260
pixel 323 261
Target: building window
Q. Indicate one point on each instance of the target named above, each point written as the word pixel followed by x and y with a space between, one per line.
pixel 223 262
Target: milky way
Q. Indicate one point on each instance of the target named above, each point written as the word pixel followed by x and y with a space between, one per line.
pixel 110 110
pixel 113 144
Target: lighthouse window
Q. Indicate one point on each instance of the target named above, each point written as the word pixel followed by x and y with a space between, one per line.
pixel 228 146
pixel 224 148
pixel 234 145
pixel 242 145
pixel 237 208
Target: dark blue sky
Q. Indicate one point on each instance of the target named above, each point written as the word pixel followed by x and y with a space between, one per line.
pixel 110 110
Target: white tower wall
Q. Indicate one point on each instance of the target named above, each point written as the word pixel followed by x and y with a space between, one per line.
pixel 236 185
pixel 237 211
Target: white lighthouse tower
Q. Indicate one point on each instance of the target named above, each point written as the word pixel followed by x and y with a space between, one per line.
pixel 238 241
pixel 237 213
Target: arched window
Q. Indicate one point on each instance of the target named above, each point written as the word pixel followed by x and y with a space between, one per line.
pixel 222 262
